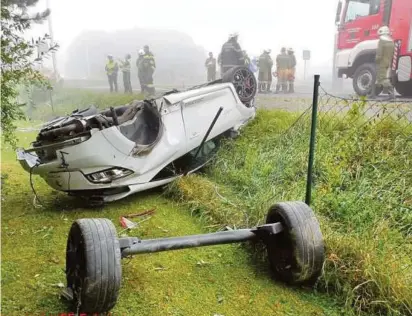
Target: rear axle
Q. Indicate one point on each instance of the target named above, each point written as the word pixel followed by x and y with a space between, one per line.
pixel 133 246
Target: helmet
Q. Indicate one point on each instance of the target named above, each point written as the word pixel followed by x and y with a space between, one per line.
pixel 290 49
pixel 141 52
pixel 109 56
pixel 233 35
pixel 384 30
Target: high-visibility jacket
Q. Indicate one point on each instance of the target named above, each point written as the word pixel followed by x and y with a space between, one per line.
pixel 111 67
pixel 125 65
pixel 148 61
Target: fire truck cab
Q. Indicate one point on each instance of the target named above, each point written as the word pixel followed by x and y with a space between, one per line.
pixel 357 24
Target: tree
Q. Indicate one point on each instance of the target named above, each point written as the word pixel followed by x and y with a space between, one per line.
pixel 18 60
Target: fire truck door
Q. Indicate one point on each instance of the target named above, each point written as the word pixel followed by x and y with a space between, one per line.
pixel 361 20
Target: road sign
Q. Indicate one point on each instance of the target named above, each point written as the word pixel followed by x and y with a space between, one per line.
pixel 306 55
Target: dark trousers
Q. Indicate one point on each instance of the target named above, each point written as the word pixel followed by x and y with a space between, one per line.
pixel 141 80
pixel 126 82
pixel 146 81
pixel 112 81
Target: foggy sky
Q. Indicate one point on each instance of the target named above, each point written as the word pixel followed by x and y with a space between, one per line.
pixel 301 24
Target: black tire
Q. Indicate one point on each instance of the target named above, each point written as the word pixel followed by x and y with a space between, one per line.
pixel 244 82
pixel 296 254
pixel 404 88
pixel 93 269
pixel 363 77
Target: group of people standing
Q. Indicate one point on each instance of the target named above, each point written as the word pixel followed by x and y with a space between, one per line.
pixel 232 55
pixel 145 64
pixel 285 71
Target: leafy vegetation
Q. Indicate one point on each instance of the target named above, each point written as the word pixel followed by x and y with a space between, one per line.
pixel 363 198
pixel 18 60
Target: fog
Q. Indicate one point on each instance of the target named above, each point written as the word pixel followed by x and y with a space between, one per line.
pixel 205 26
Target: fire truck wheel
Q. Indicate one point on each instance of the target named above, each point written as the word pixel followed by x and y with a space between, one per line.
pixel 363 77
pixel 296 254
pixel 244 82
pixel 404 88
pixel 93 269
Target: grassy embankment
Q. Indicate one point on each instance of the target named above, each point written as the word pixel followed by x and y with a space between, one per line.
pixel 363 198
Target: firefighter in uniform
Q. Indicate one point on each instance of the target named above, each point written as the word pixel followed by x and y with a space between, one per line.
pixel 140 70
pixel 282 63
pixel 125 67
pixel 384 57
pixel 147 68
pixel 263 77
pixel 291 70
pixel 231 54
pixel 210 65
pixel 112 69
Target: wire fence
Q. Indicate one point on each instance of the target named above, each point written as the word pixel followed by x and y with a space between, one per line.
pixel 357 143
pixel 360 182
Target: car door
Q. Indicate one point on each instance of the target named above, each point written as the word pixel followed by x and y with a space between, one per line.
pixel 361 20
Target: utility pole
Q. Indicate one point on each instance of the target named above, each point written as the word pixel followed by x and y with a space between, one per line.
pixel 52 40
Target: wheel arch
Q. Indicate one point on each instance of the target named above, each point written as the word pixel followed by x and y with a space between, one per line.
pixel 367 56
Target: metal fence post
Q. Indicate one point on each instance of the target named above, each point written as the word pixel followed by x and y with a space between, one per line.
pixel 312 140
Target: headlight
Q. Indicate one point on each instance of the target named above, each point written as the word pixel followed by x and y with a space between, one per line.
pixel 107 176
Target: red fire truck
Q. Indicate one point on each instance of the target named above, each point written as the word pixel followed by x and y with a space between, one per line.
pixel 358 22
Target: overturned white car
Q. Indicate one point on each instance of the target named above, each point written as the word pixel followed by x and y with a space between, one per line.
pixel 108 155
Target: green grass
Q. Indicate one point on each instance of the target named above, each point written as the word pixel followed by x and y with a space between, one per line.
pixel 232 282
pixel 363 198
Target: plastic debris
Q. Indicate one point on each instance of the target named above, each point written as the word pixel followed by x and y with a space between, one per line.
pixel 126 223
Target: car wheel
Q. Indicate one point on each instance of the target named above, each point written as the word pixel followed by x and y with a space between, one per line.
pixel 244 82
pixel 296 254
pixel 93 269
pixel 363 78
